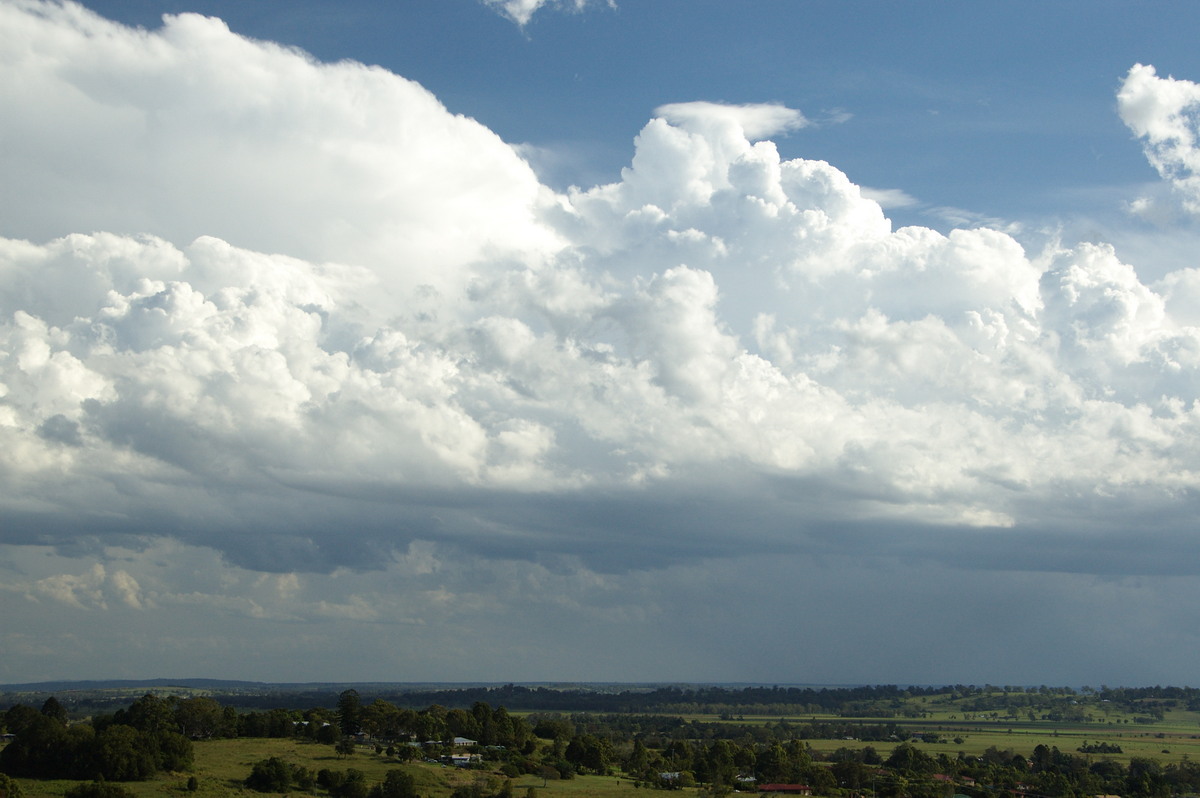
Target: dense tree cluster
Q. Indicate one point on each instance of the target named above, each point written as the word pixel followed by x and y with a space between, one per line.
pixel 130 745
pixel 276 775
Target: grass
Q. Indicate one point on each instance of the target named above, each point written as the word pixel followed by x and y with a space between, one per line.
pixel 221 765
pixel 1175 738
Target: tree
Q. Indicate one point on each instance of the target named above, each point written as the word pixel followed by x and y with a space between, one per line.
pixel 589 752
pixel 381 719
pixel 349 712
pixel 344 747
pixel 719 767
pixel 125 754
pixel 54 710
pixel 343 784
pixel 851 774
pixel 199 717
pixel 638 763
pixel 173 751
pixel 460 723
pixel 907 759
pixel 149 714
pixel 1145 778
pixel 38 750
pixel 270 775
pixel 396 784
pixel 822 780
pixel 355 785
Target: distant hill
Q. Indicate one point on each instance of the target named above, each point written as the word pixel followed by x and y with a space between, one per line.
pixel 125 684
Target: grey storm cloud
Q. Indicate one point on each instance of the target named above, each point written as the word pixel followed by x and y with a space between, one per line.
pixel 302 318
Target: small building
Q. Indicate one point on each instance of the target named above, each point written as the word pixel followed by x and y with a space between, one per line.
pixel 462 760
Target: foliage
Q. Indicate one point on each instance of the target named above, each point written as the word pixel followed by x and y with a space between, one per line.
pixel 666 751
pixel 98 789
pixel 396 784
pixel 350 783
pixel 9 787
pixel 349 712
pixel 114 748
pixel 270 775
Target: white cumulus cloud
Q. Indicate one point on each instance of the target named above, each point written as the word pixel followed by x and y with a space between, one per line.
pixel 300 315
pixel 1165 114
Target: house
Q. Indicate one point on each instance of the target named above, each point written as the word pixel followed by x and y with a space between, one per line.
pixel 464 742
pixel 462 760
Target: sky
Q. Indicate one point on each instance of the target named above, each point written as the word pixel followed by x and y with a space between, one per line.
pixel 813 342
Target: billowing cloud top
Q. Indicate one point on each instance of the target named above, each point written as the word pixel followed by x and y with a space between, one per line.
pixel 1165 112
pixel 300 314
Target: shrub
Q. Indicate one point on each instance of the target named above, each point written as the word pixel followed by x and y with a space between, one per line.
pixel 270 775
pixel 98 789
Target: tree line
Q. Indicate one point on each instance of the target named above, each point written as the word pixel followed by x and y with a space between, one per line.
pixel 155 734
pixel 129 745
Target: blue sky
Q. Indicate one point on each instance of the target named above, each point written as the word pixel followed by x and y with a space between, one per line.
pixel 813 342
pixel 996 108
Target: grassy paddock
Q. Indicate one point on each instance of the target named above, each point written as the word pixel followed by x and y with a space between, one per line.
pixel 1171 746
pixel 222 765
pixel 1173 739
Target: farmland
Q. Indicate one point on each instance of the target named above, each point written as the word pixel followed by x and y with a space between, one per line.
pixel 884 741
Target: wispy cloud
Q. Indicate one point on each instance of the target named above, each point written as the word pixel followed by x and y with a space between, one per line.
pixel 889 198
pixel 522 11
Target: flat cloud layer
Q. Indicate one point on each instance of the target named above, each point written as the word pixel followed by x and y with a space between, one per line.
pixel 301 316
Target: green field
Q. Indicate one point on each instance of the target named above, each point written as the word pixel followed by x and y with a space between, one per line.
pixel 1176 738
pixel 222 765
pixel 949 725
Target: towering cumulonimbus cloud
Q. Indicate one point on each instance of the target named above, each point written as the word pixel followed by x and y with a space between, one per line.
pixel 191 130
pixel 282 298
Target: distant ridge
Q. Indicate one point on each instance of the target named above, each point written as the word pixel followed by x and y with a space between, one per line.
pixel 124 684
pixel 65 685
